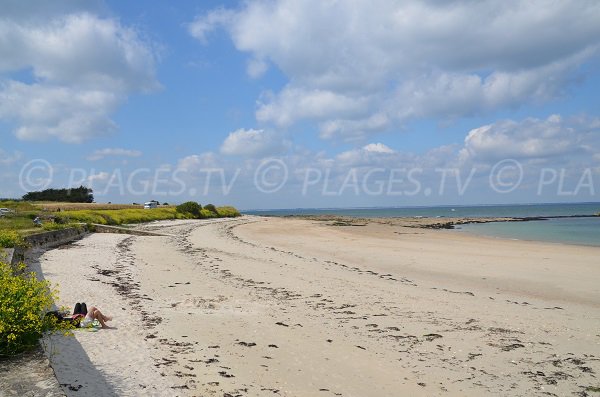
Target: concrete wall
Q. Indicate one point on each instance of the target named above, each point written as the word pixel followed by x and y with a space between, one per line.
pixel 42 240
pixel 56 237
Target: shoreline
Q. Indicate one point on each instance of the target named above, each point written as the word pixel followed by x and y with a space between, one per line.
pixel 426 221
pixel 213 297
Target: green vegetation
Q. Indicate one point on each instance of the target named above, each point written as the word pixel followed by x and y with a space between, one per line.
pixel 119 217
pixel 190 207
pixel 21 223
pixel 227 212
pixel 80 194
pixel 57 216
pixel 11 239
pixel 18 206
pixel 211 208
pixel 206 214
pixel 21 217
pixel 48 227
pixel 24 301
pixel 194 210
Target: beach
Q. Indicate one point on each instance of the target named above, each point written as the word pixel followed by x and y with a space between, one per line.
pixel 260 306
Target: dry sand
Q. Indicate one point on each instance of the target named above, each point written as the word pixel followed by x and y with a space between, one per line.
pixel 265 306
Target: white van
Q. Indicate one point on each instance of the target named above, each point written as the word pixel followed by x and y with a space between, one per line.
pixel 150 204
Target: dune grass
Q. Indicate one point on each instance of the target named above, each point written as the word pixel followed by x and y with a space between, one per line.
pixel 126 216
pixel 59 207
pixel 120 216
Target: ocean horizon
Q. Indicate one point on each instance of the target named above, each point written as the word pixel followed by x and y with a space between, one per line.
pixel 579 231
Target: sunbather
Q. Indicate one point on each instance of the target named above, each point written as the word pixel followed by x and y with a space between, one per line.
pixel 85 317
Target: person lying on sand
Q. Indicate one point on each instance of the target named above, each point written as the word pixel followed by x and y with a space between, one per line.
pixel 95 314
pixel 81 317
pixel 86 318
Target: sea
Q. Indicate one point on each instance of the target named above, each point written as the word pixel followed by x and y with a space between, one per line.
pixel 577 227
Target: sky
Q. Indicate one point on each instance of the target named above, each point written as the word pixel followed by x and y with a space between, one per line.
pixel 302 104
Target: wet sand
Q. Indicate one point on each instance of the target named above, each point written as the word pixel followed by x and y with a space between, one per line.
pixel 285 307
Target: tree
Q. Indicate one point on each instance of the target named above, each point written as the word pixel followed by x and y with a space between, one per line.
pixel 211 208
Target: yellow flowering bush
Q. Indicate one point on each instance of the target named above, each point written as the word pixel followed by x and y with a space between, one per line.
pixel 10 239
pixel 24 301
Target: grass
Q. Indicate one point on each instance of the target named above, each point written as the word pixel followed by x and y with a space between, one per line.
pixel 126 216
pixel 55 207
pixel 18 206
pixel 15 222
pixel 120 216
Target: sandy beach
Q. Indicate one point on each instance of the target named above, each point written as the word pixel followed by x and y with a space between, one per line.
pixel 258 306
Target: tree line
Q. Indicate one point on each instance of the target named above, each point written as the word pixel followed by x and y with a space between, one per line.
pixel 79 194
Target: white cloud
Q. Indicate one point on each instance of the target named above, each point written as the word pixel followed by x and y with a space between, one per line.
pixel 348 62
pixel 255 143
pixel 82 66
pixel 373 154
pixel 257 67
pixel 69 114
pixel 294 104
pixel 102 153
pixel 198 161
pixel 377 148
pixel 204 25
pixel 533 138
pixel 101 176
pixel 353 130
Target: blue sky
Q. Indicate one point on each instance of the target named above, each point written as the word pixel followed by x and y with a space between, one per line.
pixel 284 104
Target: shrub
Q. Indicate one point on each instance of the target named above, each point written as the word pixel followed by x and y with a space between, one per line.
pixel 211 208
pixel 61 220
pixel 190 207
pixel 204 213
pixel 24 301
pixel 227 212
pixel 11 239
